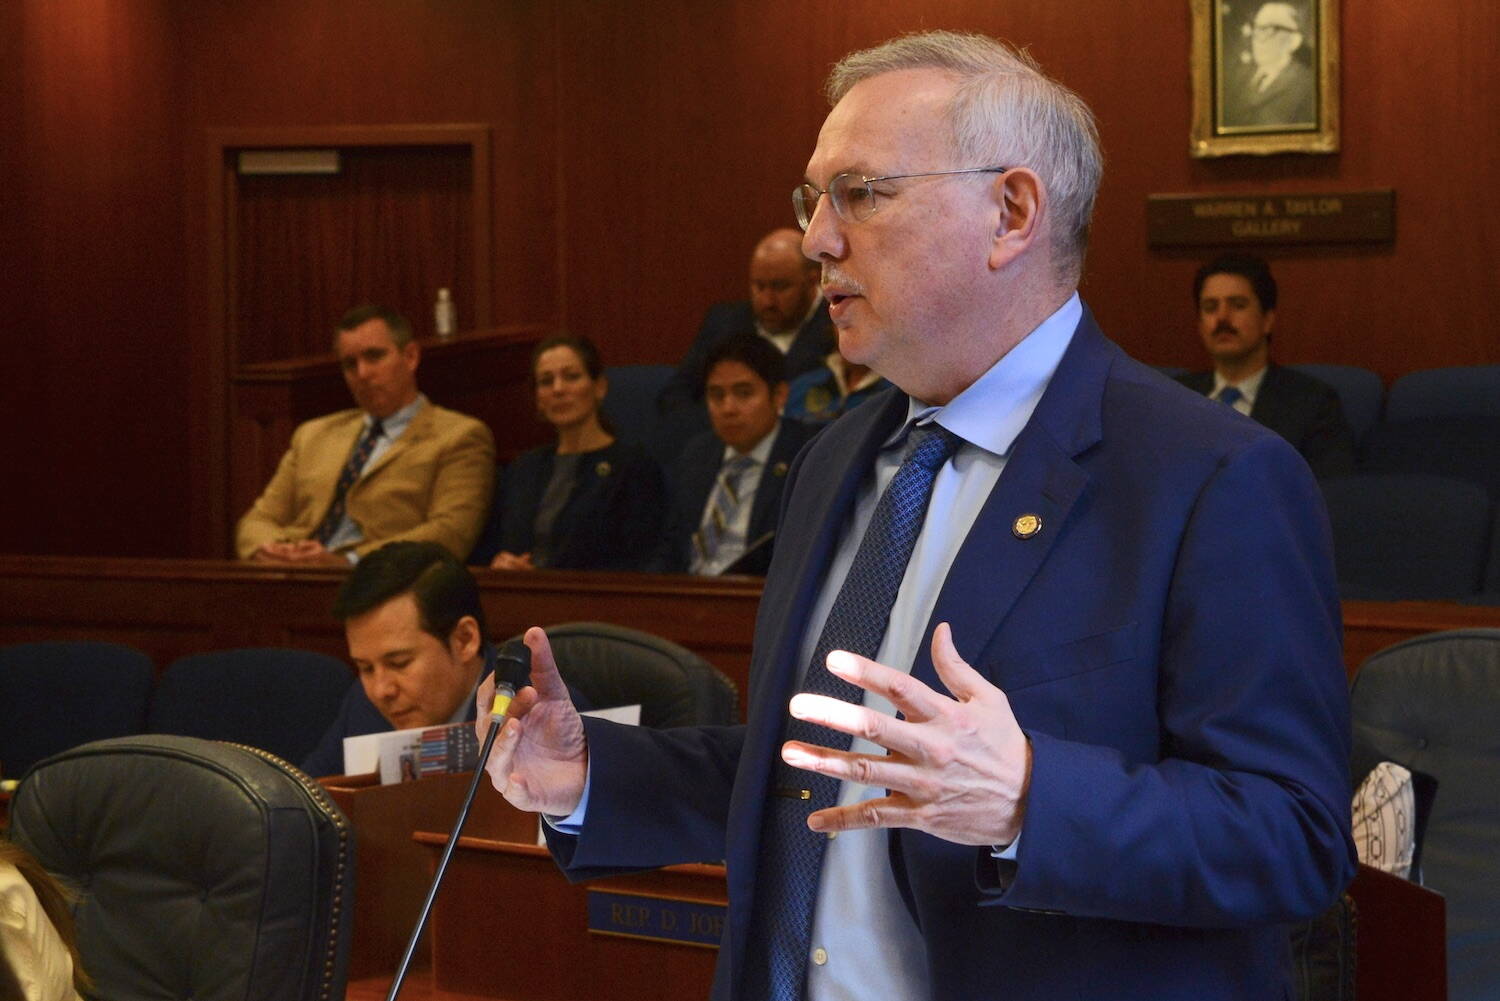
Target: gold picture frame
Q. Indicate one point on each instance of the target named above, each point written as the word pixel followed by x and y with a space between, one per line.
pixel 1265 77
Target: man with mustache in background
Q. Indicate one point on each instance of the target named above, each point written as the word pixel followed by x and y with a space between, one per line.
pixel 1236 299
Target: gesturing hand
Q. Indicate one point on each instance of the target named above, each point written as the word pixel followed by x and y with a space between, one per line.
pixel 956 768
pixel 540 759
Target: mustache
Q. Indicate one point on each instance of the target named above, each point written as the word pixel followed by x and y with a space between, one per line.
pixel 1225 328
pixel 833 276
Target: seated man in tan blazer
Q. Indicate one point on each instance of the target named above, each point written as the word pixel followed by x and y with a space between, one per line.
pixel 397 467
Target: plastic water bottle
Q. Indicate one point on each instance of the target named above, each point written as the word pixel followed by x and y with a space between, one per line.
pixel 445 314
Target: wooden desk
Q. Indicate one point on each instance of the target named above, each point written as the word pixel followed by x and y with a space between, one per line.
pixel 1400 939
pixel 392 872
pixel 509 925
pixel 169 608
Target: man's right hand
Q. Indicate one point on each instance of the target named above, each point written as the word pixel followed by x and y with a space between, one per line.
pixel 540 760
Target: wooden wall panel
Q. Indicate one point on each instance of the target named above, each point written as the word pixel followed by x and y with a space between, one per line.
pixel 97 461
pixel 392 226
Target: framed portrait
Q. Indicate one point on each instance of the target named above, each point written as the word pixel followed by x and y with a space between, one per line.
pixel 1265 76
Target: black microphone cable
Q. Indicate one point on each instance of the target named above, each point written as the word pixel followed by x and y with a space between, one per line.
pixel 512 669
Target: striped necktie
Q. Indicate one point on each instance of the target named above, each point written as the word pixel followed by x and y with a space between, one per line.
pixel 350 473
pixel 718 526
pixel 791 855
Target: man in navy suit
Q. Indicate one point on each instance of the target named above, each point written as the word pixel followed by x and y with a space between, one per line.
pixel 1101 750
pixel 1236 299
pixel 784 307
pixel 726 484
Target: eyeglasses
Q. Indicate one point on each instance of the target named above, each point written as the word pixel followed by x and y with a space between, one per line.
pixel 1266 32
pixel 853 198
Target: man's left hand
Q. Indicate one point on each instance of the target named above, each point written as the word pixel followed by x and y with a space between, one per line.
pixel 956 767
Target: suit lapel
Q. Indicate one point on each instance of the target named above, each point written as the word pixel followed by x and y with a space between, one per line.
pixel 419 428
pixel 1041 481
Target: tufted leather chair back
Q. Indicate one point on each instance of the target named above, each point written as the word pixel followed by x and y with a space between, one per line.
pixel 204 870
pixel 611 665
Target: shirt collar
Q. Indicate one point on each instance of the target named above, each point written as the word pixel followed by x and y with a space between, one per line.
pixel 392 426
pixel 1248 387
pixel 997 405
pixel 762 450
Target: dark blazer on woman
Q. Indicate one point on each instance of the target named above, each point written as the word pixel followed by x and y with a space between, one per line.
pixel 612 519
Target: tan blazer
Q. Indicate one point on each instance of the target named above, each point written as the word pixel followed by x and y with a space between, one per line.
pixel 433 484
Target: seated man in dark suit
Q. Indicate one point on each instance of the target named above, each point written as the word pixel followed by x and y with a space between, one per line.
pixel 416 634
pixel 1236 298
pixel 727 482
pixel 785 307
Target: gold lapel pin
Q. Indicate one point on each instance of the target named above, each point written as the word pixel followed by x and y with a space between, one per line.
pixel 1026 526
pixel 603 469
pixel 779 469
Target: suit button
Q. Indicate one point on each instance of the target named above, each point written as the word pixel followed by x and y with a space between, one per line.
pixel 820 956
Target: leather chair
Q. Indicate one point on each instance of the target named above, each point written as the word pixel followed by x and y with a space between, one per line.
pixel 56 695
pixel 1430 704
pixel 204 870
pixel 278 700
pixel 610 665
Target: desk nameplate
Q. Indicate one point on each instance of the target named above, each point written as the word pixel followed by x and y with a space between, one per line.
pixel 656 918
pixel 1246 220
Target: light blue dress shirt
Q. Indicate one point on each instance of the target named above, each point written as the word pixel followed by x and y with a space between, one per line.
pixel 349 533
pixel 862 934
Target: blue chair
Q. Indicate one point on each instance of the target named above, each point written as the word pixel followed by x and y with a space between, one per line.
pixel 1360 393
pixel 57 695
pixel 1430 704
pixel 1407 538
pixel 275 699
pixel 1462 447
pixel 1460 391
pixel 631 402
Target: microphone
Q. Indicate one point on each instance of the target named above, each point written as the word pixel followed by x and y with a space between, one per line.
pixel 511 668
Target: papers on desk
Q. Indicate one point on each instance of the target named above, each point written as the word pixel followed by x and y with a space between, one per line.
pixel 404 755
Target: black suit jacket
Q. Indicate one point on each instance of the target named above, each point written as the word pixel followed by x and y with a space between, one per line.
pixel 612 519
pixel 692 479
pixel 1303 410
pixel 809 348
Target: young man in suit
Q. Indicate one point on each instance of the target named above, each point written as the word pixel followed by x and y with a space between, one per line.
pixel 784 307
pixel 1047 697
pixel 726 483
pixel 395 467
pixel 1236 299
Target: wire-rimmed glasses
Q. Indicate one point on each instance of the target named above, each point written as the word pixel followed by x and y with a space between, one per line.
pixel 853 197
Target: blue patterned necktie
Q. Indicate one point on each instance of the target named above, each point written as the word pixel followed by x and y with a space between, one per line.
pixel 718 527
pixel 791 855
pixel 1229 396
pixel 350 473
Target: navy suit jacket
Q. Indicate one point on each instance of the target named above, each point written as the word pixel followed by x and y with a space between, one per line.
pixel 809 348
pixel 612 519
pixel 693 477
pixel 1303 410
pixel 1169 641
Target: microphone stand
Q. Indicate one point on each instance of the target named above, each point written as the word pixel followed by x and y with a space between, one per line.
pixel 510 670
pixel 442 868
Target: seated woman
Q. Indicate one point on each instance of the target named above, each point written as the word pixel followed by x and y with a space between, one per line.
pixel 589 502
pixel 38 946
